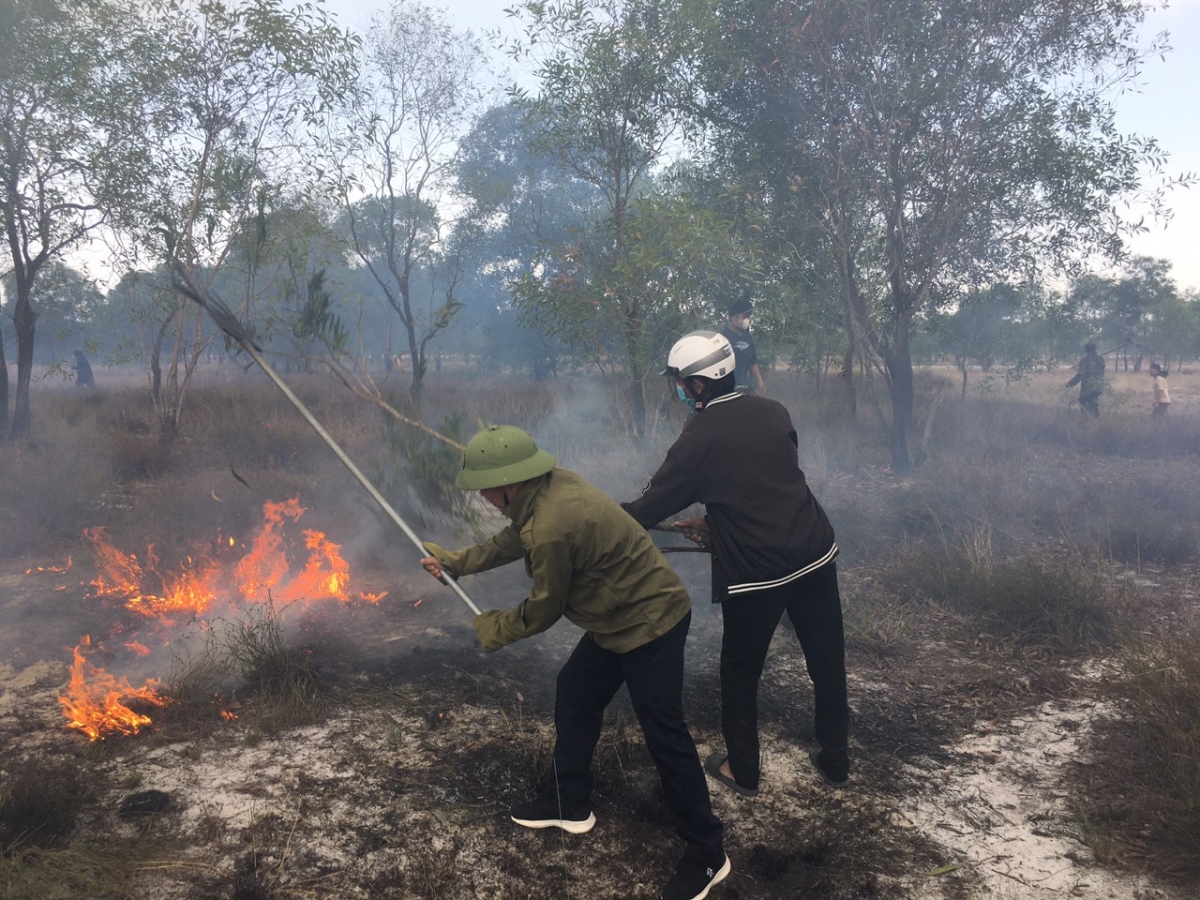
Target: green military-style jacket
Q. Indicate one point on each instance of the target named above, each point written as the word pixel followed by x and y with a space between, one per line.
pixel 589 561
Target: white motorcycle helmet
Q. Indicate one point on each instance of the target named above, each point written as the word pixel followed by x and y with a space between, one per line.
pixel 700 354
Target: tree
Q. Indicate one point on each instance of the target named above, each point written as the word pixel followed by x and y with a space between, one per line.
pixel 240 85
pixel 70 128
pixel 520 208
pixel 419 94
pixel 611 75
pixel 1123 310
pixel 66 302
pixel 987 327
pixel 936 147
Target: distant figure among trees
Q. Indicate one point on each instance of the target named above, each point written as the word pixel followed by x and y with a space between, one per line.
pixel 1089 375
pixel 1162 396
pixel 737 332
pixel 83 371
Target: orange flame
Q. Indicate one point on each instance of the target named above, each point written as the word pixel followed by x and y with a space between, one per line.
pixel 213 581
pixel 263 573
pixel 95 701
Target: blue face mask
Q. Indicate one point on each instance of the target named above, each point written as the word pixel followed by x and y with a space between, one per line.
pixel 682 395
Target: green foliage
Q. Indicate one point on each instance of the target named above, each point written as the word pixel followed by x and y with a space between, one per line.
pixel 421 470
pixel 317 320
pixel 919 148
pixel 70 145
pixel 236 86
pixel 612 75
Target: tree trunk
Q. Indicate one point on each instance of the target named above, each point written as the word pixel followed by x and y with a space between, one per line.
pixel 898 360
pixel 3 389
pixel 24 319
pixel 848 369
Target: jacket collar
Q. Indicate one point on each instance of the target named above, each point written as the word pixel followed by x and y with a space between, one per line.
pixel 522 505
pixel 732 395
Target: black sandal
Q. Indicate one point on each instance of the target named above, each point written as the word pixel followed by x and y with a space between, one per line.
pixel 712 765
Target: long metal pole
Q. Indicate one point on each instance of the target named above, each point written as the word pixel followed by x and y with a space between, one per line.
pixel 227 322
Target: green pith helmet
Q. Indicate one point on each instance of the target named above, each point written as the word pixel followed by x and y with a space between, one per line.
pixel 500 455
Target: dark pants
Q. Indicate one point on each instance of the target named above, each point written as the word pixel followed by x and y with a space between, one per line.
pixel 1090 402
pixel 815 608
pixel 653 674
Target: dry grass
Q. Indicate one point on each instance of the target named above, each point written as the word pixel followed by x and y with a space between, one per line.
pixel 1013 528
pixel 40 800
pixel 31 873
pixel 1060 599
pixel 1143 794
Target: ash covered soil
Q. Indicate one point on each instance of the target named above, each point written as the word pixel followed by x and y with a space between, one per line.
pixel 966 759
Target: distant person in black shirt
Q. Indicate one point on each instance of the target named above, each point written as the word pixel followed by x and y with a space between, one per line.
pixel 83 371
pixel 737 332
pixel 1089 375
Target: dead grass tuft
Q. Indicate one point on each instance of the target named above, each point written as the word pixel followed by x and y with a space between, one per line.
pixel 40 800
pixel 33 873
pixel 1143 794
pixel 283 679
pixel 1061 600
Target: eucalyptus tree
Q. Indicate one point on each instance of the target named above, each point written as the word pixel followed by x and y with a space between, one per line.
pixel 243 88
pixel 1125 310
pixel 935 146
pixel 70 147
pixel 610 76
pixel 394 151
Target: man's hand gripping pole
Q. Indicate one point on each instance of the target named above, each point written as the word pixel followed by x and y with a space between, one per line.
pixel 228 323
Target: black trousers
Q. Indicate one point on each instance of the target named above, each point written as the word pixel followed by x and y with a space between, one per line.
pixel 815 608
pixel 653 674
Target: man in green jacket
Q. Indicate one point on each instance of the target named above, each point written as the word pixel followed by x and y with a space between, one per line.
pixel 592 563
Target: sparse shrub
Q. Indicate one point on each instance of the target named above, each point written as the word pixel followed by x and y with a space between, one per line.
pixel 250 881
pixel 1145 784
pixel 33 873
pixel 40 799
pixel 1035 597
pixel 283 679
pixel 135 456
pixel 879 623
pixel 248 652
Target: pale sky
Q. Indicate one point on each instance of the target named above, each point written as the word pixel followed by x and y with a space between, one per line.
pixel 1166 108
pixel 1162 107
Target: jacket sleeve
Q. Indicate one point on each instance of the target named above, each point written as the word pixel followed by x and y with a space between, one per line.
pixel 672 488
pixel 551 567
pixel 501 548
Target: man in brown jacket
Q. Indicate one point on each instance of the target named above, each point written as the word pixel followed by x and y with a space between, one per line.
pixel 591 563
